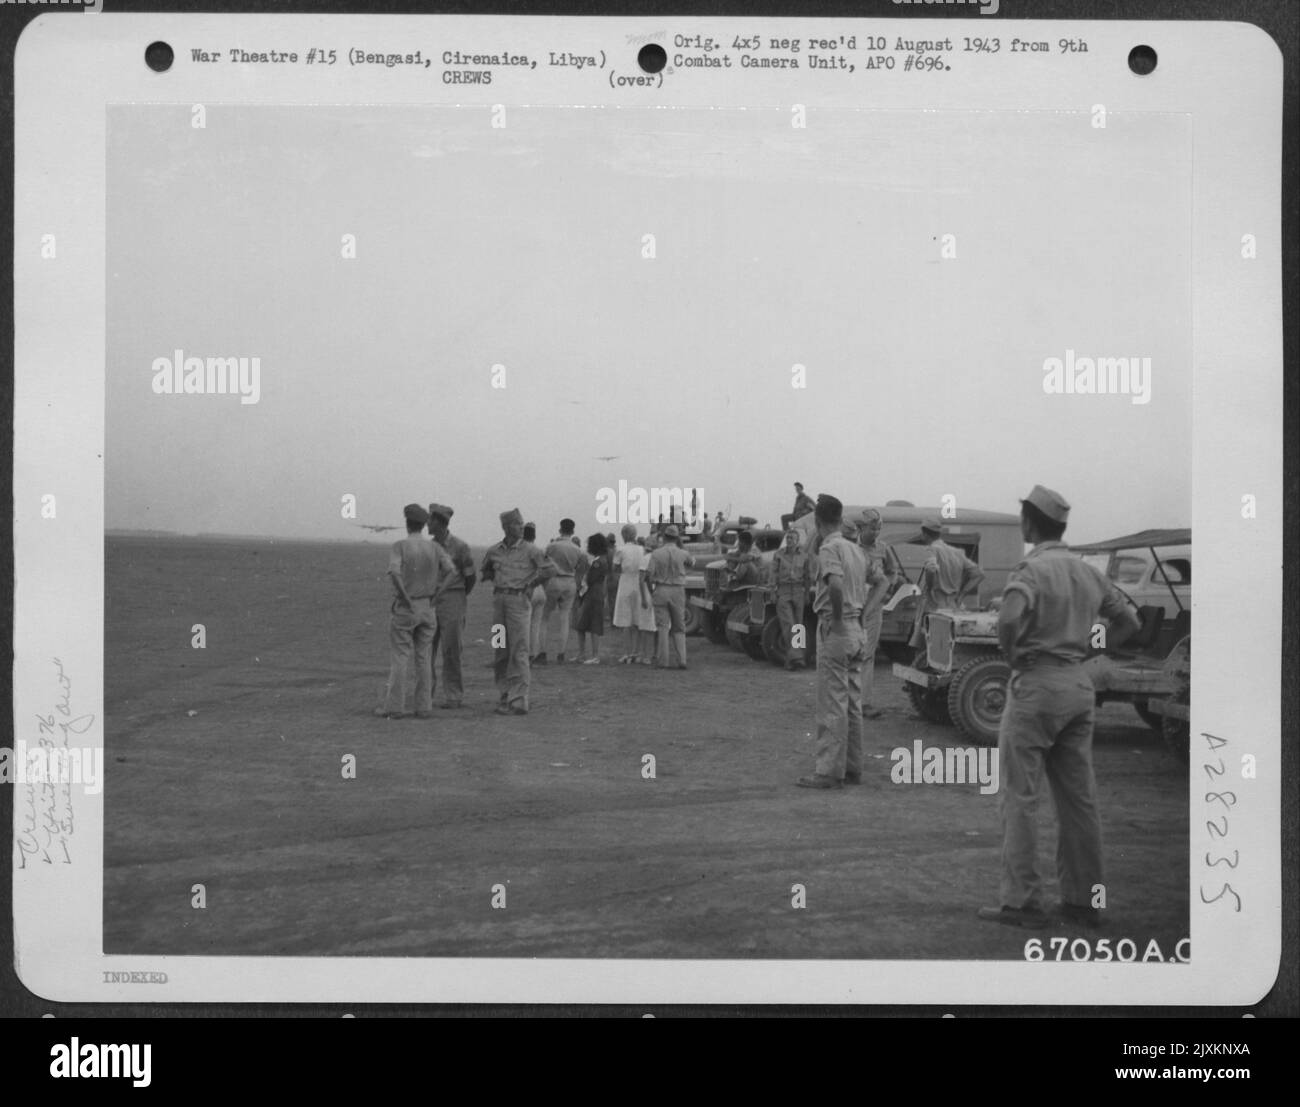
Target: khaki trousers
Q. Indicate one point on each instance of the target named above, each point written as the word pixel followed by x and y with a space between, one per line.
pixel 1047 730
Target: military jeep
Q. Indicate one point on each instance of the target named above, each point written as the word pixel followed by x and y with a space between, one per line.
pixel 965 675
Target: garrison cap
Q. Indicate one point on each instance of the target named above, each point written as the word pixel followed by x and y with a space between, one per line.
pixel 867 515
pixel 415 514
pixel 670 531
pixel 932 525
pixel 441 510
pixel 514 515
pixel 1052 504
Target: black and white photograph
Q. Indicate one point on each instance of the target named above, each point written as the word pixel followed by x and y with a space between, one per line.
pixel 659 492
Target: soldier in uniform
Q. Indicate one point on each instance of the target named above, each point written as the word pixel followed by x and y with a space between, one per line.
pixel 450 608
pixel 666 579
pixel 803 505
pixel 1051 603
pixel 841 648
pixel 515 567
pixel 419 571
pixel 881 561
pixel 792 574
pixel 947 578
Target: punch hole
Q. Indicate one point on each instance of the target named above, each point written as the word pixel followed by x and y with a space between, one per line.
pixel 1142 60
pixel 651 57
pixel 158 56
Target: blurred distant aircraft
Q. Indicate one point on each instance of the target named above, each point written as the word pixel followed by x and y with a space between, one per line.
pixel 376 529
pixel 608 457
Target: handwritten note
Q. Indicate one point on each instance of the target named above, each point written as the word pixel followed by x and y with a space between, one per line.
pixel 47 773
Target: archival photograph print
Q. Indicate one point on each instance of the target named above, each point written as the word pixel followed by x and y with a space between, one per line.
pixel 657 533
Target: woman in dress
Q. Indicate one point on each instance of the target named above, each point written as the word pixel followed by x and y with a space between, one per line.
pixel 632 610
pixel 589 611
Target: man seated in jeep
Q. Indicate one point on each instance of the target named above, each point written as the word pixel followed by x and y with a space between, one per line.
pixel 744 566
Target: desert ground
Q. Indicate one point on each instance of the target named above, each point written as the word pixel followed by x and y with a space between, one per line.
pixel 224 767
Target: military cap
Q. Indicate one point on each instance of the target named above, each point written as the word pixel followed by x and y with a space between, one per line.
pixel 415 514
pixel 514 515
pixel 1052 504
pixel 441 510
pixel 868 515
pixel 932 525
pixel 670 531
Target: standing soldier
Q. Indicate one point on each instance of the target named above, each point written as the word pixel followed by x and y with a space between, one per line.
pixel 792 575
pixel 666 579
pixel 881 562
pixel 450 609
pixel 947 578
pixel 514 567
pixel 561 590
pixel 418 570
pixel 1052 600
pixel 841 648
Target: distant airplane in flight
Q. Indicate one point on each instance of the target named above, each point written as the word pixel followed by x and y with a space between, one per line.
pixel 608 457
pixel 376 529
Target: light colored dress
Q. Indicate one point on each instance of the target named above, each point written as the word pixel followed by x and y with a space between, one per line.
pixel 631 560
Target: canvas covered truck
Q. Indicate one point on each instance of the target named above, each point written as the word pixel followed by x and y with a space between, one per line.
pixel 964 676
pixel 991 539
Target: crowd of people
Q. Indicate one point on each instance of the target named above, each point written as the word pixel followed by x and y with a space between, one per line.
pixel 541 596
pixel 541 599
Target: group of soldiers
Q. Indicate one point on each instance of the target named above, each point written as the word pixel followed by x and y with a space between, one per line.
pixel 432 581
pixel 1045 622
pixel 1049 607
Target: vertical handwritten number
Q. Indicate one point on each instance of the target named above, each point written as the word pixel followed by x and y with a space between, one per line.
pixel 1215 832
pixel 1236 858
pixel 1210 797
pixel 1225 888
pixel 1211 769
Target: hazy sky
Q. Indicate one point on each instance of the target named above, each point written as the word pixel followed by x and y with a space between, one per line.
pixel 523 247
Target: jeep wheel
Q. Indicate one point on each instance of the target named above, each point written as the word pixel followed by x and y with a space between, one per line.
pixel 930 703
pixel 1154 721
pixel 752 644
pixel 976 697
pixel 773 643
pixel 715 627
pixel 693 619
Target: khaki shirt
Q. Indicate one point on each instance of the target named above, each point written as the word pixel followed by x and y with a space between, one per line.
pixel 1063 597
pixel 458 550
pixel 420 564
pixel 882 564
pixel 510 566
pixel 838 557
pixel 569 559
pixel 791 569
pixel 947 572
pixel 668 565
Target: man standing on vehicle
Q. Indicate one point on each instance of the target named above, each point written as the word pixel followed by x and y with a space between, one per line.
pixel 792 572
pixel 1051 603
pixel 947 578
pixel 841 648
pixel 881 562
